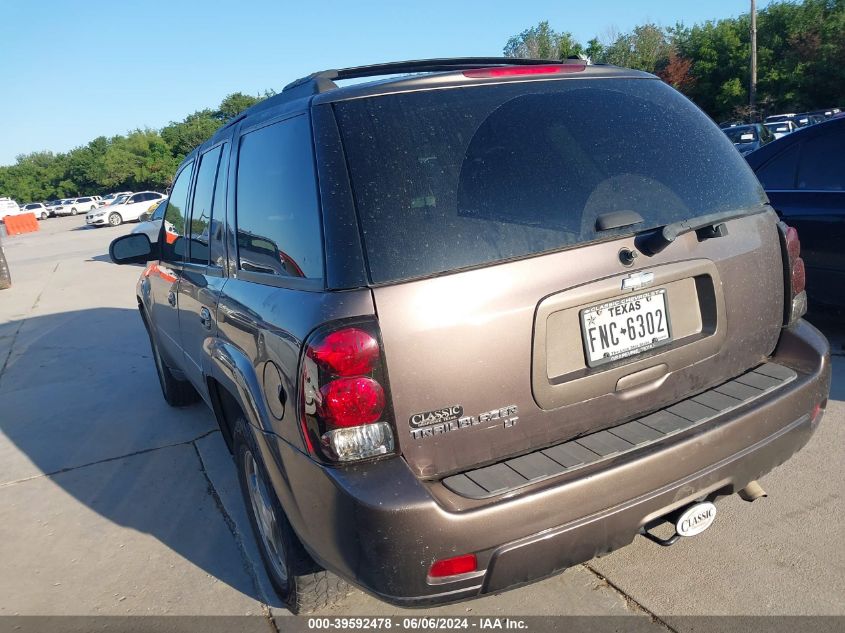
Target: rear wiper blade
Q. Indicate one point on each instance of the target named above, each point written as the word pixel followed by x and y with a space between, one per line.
pixel 708 226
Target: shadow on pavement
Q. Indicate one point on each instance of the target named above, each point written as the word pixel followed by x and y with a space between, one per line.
pixel 81 403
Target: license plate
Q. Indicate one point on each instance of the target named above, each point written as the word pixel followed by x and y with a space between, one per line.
pixel 624 327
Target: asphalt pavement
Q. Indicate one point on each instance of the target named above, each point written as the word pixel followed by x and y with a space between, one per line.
pixel 113 503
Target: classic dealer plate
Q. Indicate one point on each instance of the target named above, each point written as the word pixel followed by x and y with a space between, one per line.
pixel 624 327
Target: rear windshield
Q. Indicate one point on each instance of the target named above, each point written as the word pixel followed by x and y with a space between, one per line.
pixel 447 179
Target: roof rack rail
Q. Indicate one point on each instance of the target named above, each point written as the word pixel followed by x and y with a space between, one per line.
pixel 323 81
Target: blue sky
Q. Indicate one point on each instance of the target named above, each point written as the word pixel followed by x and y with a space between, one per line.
pixel 75 70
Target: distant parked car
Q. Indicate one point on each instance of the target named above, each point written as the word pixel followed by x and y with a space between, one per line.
pixel 74 206
pixel 804 176
pixel 38 208
pixel 747 138
pixel 781 128
pixel 8 207
pixel 776 118
pixel 108 199
pixel 123 209
pixel 51 207
pixel 826 112
pixel 808 118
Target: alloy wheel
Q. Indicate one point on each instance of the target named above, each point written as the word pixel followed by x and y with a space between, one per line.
pixel 265 517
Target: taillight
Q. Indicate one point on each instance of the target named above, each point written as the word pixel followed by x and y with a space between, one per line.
pixel 464 564
pixel 511 71
pixel 345 404
pixel 795 275
pixel 347 352
pixel 352 401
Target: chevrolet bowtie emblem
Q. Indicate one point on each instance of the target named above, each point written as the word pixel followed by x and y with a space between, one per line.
pixel 637 280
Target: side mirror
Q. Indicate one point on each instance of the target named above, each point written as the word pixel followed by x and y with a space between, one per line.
pixel 144 217
pixel 134 248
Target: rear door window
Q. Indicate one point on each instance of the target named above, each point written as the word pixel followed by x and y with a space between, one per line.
pixel 278 222
pixel 446 179
pixel 201 208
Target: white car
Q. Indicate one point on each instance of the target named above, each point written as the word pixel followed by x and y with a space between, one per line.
pixel 38 208
pixel 8 207
pixel 782 128
pixel 108 199
pixel 51 207
pixel 74 206
pixel 124 209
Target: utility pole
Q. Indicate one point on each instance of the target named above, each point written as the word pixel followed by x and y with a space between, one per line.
pixel 752 102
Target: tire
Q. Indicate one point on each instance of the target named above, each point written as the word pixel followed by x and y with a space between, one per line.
pixel 44 215
pixel 5 275
pixel 177 393
pixel 93 207
pixel 73 211
pixel 115 219
pixel 301 583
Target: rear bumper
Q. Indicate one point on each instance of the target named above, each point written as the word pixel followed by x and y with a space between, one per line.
pixel 381 528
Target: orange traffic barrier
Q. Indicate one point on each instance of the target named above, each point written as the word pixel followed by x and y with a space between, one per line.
pixel 24 223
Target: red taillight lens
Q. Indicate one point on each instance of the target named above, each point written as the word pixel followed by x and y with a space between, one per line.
pixel 352 402
pixel 795 275
pixel 347 352
pixel 511 71
pixel 453 566
pixel 799 276
pixel 793 244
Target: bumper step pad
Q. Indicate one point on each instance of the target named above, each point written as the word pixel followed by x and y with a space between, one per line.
pixel 518 472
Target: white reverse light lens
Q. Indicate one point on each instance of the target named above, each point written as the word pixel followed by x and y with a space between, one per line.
pixel 359 442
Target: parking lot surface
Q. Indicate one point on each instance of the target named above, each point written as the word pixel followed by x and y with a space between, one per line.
pixel 113 503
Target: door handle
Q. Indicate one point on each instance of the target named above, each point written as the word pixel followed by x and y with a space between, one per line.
pixel 205 317
pixel 171 298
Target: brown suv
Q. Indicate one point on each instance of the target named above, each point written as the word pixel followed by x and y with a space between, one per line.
pixel 467 327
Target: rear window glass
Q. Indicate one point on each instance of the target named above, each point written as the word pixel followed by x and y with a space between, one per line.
pixel 448 179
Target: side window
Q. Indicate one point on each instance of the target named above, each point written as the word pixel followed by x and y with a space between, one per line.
pixel 278 223
pixel 134 199
pixel 779 172
pixel 173 227
pixel 822 164
pixel 217 246
pixel 201 208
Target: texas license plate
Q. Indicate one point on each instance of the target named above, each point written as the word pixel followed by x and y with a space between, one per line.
pixel 624 327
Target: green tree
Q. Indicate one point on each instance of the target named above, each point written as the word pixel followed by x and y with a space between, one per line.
pixel 542 42
pixel 234 104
